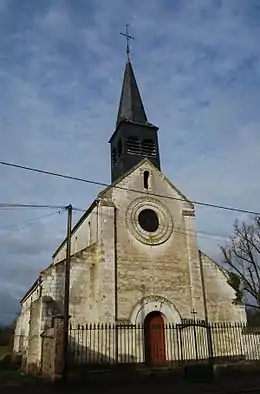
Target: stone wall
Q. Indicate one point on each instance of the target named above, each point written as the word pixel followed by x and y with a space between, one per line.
pixel 169 268
pixel 21 335
pixel 89 285
pixel 17 338
pixel 52 350
pixel 84 234
pixel 48 356
pixel 53 284
pixel 220 296
pixel 34 339
pixel 116 268
pixel 84 285
pixel 107 260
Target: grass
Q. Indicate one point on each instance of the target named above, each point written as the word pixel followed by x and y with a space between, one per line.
pixel 16 378
pixel 11 375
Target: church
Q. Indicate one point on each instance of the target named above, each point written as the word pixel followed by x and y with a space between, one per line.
pixel 134 253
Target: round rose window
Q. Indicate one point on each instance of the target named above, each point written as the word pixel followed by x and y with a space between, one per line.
pixel 148 220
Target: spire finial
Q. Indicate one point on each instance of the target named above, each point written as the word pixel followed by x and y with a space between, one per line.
pixel 128 37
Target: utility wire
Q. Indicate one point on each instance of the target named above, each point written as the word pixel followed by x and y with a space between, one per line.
pixel 97 183
pixel 209 235
pixel 13 206
pixel 25 222
pixel 161 225
pixel 5 205
pixel 28 222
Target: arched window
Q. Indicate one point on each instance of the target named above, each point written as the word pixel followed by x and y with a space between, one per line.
pixel 133 145
pixel 146 179
pixel 148 148
pixel 89 233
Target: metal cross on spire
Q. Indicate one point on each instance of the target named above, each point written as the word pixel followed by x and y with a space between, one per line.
pixel 128 38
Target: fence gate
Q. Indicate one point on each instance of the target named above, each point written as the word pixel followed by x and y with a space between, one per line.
pixel 195 342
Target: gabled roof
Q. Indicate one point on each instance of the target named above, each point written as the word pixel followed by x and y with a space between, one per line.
pixel 145 160
pixel 224 271
pixel 34 286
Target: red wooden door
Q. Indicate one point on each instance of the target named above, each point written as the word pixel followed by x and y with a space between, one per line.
pixel 155 339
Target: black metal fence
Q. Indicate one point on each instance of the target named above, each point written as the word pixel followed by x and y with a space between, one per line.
pixel 189 342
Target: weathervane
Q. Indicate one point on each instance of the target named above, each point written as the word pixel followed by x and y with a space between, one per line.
pixel 128 37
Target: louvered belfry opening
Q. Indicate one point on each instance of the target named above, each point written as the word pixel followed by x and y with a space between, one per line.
pixel 133 145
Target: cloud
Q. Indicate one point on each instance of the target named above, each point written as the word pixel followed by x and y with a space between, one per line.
pixel 61 66
pixel 9 306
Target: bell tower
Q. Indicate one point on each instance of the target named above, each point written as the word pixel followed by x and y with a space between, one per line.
pixel 134 137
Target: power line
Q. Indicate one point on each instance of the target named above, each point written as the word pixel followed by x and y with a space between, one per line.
pixel 166 226
pixel 97 183
pixel 11 209
pixel 5 205
pixel 209 235
pixel 11 226
pixel 28 222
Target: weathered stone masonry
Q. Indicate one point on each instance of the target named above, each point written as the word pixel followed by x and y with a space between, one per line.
pixel 123 270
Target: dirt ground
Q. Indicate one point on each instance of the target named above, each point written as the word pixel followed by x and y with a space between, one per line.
pixel 3 351
pixel 236 384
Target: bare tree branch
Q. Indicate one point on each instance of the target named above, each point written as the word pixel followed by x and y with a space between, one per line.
pixel 242 257
pixel 233 268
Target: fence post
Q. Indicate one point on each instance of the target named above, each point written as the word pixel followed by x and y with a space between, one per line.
pixel 179 331
pixel 116 338
pixel 210 345
pixel 195 341
pixel 195 333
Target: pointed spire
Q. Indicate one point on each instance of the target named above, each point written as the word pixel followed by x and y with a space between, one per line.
pixel 128 38
pixel 130 105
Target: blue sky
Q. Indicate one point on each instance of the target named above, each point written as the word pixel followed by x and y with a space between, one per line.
pixel 61 67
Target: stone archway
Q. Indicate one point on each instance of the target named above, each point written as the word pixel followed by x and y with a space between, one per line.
pixel 154 304
pixel 149 312
pixel 154 334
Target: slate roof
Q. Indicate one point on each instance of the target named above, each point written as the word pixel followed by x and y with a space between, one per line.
pixel 130 105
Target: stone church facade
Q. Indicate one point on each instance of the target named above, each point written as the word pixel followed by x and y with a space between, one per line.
pixel 134 253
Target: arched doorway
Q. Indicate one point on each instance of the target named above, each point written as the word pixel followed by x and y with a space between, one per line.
pixel 154 339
